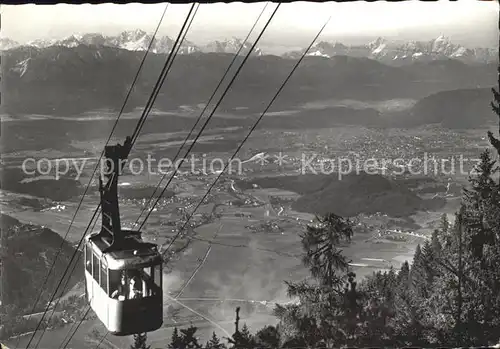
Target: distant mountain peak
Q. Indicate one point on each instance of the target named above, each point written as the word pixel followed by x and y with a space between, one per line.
pixel 377 42
pixel 7 44
pixel 391 52
pixel 138 32
pixel 231 45
pixel 132 34
pixel 443 38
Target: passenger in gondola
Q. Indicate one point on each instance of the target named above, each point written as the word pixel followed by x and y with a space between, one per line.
pixel 121 291
pixel 135 286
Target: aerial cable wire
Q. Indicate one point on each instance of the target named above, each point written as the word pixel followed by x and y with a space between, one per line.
pixel 175 48
pixel 97 165
pixel 203 111
pixel 102 340
pixel 65 289
pixel 73 326
pixel 94 212
pixel 252 129
pixel 170 62
pixel 77 327
pixel 88 226
pixel 164 72
pixel 213 111
pixel 202 261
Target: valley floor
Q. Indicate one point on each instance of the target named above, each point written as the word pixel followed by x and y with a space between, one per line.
pixel 257 243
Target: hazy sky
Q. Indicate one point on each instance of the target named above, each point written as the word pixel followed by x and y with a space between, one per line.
pixel 464 21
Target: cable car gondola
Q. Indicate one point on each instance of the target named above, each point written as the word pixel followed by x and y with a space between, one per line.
pixel 123 273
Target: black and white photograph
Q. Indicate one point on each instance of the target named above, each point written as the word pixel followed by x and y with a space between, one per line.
pixel 261 175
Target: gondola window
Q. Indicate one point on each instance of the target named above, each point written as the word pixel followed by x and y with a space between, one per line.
pixel 104 278
pixel 157 275
pixel 88 259
pixel 115 277
pixel 95 267
pixel 148 281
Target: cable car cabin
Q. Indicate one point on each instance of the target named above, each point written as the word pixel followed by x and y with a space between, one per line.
pixel 124 286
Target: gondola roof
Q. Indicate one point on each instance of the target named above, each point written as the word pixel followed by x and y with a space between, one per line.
pixel 133 252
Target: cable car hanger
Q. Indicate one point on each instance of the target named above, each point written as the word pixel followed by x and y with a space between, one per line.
pixel 111 231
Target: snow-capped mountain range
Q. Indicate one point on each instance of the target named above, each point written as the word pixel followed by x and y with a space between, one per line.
pixel 231 46
pixel 136 40
pixel 379 49
pixel 387 51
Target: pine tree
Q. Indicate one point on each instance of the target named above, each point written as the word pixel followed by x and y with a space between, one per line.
pixel 320 243
pixel 417 273
pixel 379 292
pixel 246 338
pixel 459 269
pixel 241 339
pixel 481 247
pixel 430 259
pixel 188 338
pixel 321 317
pixel 176 341
pixel 431 253
pixel 403 278
pixel 444 224
pixel 409 321
pixel 268 338
pixel 140 341
pixel 444 230
pixel 489 273
pixel 214 343
pixel 481 206
pixel 495 106
pixel 353 308
pixel 436 243
pixel 453 282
